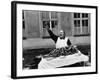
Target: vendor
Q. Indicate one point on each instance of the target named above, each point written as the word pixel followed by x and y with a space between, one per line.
pixel 63 44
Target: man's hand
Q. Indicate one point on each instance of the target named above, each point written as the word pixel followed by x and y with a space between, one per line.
pixel 47 27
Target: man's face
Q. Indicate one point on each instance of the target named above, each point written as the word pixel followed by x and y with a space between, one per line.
pixel 62 34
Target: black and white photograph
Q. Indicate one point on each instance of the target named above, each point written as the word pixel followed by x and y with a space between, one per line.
pixel 54 39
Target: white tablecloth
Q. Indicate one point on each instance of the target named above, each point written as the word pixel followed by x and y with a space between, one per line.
pixel 62 61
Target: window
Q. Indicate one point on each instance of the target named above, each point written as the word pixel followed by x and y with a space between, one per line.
pixel 76 15
pixel 46 23
pixel 77 23
pixel 23 19
pixel 84 15
pixel 49 19
pixel 54 23
pixel 81 23
pixel 85 23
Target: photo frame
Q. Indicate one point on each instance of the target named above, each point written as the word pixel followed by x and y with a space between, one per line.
pixel 30 39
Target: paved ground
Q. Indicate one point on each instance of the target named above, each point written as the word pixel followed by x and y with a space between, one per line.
pixel 38 43
pixel 35 43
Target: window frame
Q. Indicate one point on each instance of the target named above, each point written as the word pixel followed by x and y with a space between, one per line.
pixel 50 20
pixel 81 27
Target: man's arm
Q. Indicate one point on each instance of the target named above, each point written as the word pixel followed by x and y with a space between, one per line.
pixel 52 35
pixel 69 42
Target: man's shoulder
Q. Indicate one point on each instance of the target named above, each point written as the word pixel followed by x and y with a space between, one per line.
pixel 67 38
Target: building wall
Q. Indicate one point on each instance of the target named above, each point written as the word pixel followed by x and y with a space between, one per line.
pixel 66 23
pixel 32 31
pixel 31 24
pixel 32 27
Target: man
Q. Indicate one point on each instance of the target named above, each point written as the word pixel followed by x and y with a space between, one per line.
pixel 61 36
pixel 63 44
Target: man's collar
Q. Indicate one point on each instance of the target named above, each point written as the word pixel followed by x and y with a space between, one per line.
pixel 62 37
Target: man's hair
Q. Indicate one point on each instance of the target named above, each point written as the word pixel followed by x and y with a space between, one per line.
pixel 62 31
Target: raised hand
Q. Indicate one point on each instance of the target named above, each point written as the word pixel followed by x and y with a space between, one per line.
pixel 47 27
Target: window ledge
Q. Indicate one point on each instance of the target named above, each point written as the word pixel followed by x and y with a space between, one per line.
pixel 46 37
pixel 81 35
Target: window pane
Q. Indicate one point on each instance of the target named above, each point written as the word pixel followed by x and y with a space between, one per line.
pixel 84 15
pixel 23 24
pixel 23 19
pixel 54 24
pixel 84 23
pixel 46 23
pixel 53 15
pixel 77 23
pixel 45 15
pixel 76 15
pixel 84 26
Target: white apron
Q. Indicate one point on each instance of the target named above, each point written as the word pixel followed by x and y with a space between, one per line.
pixel 61 43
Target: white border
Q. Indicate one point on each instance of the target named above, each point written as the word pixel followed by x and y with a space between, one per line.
pixel 35 72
